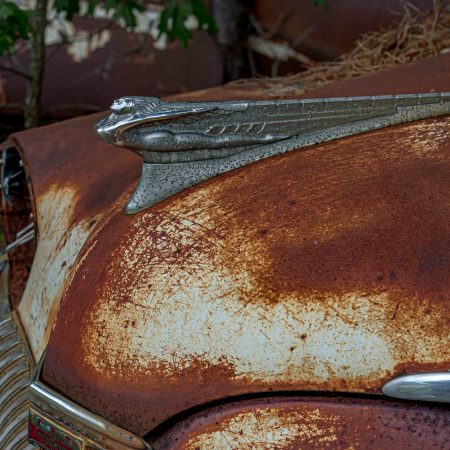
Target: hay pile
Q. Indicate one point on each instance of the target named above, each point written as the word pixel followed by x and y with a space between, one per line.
pixel 417 36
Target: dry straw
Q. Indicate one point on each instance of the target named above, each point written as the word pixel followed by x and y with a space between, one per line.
pixel 416 36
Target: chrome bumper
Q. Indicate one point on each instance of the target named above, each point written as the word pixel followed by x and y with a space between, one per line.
pixel 55 420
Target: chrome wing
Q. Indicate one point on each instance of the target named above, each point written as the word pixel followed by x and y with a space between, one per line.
pixel 183 143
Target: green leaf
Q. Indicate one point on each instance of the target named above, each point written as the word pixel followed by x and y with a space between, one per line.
pixel 205 20
pixel 176 13
pixel 14 25
pixel 91 7
pixel 110 4
pixel 322 4
pixel 68 7
pixel 124 10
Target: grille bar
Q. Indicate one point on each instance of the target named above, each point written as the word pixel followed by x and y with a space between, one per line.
pixel 14 380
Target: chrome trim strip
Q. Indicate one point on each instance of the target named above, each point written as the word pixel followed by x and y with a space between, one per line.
pixel 211 138
pixel 81 420
pixel 429 387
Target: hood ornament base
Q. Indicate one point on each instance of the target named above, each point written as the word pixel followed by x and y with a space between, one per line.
pixel 183 144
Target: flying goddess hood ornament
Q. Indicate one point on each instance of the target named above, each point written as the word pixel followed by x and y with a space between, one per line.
pixel 183 144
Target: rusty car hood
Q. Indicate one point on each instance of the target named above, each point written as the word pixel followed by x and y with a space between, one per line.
pixel 324 269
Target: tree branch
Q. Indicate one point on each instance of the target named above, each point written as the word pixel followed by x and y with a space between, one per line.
pixel 103 69
pixel 15 71
pixel 17 63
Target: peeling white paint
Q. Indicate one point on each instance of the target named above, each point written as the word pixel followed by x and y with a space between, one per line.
pixel 58 245
pixel 263 343
pixel 211 309
pixel 268 428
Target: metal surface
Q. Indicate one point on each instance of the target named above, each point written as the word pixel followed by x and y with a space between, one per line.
pixel 430 387
pixel 74 178
pixel 69 195
pixel 324 269
pixel 366 206
pixel 14 380
pixel 185 143
pixel 46 433
pixel 83 423
pixel 311 423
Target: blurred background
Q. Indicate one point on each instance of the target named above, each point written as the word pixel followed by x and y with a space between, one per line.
pixel 62 58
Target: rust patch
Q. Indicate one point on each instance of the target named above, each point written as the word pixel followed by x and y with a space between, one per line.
pixel 70 172
pixel 272 278
pixel 293 423
pixel 69 154
pixel 321 269
pixel 269 427
pixel 58 246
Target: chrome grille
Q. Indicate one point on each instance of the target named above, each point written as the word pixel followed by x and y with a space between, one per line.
pixel 14 380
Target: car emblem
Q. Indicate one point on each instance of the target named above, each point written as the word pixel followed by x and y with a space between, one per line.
pixel 183 143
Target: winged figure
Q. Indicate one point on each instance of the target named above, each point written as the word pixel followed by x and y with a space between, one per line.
pixel 184 143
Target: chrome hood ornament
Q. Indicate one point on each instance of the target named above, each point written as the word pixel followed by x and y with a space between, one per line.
pixel 183 144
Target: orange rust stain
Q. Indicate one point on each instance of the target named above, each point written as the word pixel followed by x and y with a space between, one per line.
pixel 302 422
pixel 267 428
pixel 327 268
pixel 70 171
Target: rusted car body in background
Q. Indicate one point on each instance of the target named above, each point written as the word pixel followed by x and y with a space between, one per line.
pixel 265 308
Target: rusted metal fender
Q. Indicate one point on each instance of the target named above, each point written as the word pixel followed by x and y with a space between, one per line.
pixel 315 422
pixel 74 178
pixel 324 269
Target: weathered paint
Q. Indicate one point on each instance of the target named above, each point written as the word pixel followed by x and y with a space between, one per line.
pixel 58 246
pixel 295 423
pixel 80 49
pixel 70 194
pixel 231 287
pixel 325 269
pixel 202 276
pixel 268 428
